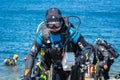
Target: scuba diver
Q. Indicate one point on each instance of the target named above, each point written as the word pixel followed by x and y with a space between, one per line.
pixel 52 40
pixel 11 61
pixel 104 55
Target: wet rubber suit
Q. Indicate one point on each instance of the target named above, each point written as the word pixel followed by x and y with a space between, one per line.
pixel 53 48
pixel 101 58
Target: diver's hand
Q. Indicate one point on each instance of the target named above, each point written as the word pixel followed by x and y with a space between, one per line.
pixel 105 66
pixel 92 70
pixel 27 75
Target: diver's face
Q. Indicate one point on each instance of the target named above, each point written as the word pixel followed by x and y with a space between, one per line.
pixel 54 26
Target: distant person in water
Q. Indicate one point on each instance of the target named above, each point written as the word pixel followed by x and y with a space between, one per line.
pixel 11 61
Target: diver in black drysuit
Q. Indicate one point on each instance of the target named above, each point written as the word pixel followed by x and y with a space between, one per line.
pixel 103 58
pixel 52 39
